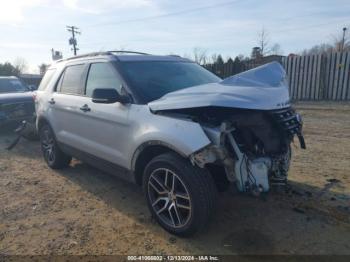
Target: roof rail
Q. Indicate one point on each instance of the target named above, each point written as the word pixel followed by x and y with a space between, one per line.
pixel 84 55
pixel 127 52
pixel 102 53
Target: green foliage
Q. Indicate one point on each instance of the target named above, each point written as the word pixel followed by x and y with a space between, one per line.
pixel 229 67
pixel 7 69
pixel 219 60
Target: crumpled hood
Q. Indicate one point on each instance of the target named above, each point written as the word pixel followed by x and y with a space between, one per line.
pixel 261 88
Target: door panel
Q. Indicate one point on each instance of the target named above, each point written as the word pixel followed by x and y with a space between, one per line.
pixel 64 117
pixel 104 130
pixel 104 127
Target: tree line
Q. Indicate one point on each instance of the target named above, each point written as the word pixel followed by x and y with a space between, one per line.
pixel 337 43
pixel 265 47
pixel 18 67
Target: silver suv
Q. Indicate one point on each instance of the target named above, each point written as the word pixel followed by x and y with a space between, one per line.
pixel 168 124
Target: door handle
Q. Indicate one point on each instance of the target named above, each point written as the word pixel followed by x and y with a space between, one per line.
pixel 52 101
pixel 85 108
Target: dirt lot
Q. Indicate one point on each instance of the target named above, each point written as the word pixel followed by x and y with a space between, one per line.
pixel 81 210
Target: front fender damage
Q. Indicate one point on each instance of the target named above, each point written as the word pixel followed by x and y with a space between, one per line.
pixel 216 152
pixel 250 174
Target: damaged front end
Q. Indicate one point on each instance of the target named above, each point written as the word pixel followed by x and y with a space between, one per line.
pixel 252 146
pixel 249 121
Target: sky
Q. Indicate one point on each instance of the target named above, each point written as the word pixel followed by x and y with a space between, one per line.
pixel 30 28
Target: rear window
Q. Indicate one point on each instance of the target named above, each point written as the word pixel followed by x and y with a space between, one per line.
pixel 46 79
pixel 12 85
pixel 71 80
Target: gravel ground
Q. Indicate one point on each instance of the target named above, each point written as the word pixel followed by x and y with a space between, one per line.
pixel 81 210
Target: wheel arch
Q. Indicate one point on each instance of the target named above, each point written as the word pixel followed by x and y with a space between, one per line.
pixel 146 152
pixel 40 122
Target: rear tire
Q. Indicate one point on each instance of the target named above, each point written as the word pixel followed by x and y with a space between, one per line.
pixel 180 196
pixel 53 155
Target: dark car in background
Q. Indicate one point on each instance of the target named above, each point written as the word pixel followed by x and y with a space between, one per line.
pixel 16 102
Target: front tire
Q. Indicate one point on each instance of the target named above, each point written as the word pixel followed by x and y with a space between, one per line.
pixel 53 155
pixel 180 196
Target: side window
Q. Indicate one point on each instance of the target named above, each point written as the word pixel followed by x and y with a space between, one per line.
pixel 70 82
pixel 46 79
pixel 102 75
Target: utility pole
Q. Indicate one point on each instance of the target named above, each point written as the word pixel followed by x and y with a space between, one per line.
pixel 73 41
pixel 343 42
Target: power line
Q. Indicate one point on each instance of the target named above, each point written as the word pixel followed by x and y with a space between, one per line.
pixel 168 14
pixel 305 15
pixel 73 41
pixel 279 31
pixel 300 29
pixel 190 11
pixel 311 26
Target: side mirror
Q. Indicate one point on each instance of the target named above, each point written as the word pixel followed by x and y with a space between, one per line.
pixel 108 96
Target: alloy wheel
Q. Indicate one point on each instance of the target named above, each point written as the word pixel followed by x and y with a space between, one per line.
pixel 48 145
pixel 169 198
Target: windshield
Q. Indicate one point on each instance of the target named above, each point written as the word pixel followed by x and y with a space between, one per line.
pixel 153 79
pixel 12 85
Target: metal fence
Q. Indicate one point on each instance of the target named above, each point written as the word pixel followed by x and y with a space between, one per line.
pixel 312 77
pixel 319 77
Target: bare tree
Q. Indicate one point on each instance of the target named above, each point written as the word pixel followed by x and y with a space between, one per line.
pixel 214 58
pixel 263 41
pixel 241 57
pixel 337 43
pixel 200 55
pixel 340 43
pixel 318 49
pixel 20 64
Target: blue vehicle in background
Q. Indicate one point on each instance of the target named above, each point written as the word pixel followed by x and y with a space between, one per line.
pixel 16 104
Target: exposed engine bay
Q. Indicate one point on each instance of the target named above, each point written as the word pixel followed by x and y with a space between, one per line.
pixel 252 145
pixel 249 121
